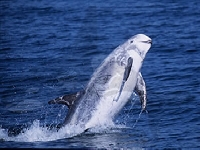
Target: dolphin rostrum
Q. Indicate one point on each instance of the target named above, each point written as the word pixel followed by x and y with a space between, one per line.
pixel 110 86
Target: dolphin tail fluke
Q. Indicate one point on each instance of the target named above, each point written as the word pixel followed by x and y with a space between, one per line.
pixel 141 91
pixel 66 99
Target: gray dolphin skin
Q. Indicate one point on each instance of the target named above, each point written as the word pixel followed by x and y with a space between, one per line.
pixel 110 87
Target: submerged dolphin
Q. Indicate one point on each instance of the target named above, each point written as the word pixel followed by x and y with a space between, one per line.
pixel 110 87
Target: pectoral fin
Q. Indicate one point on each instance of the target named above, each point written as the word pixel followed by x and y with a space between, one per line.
pixel 128 69
pixel 125 77
pixel 141 90
pixel 66 99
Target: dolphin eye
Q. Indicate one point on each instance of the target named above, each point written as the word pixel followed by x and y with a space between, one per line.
pixel 131 41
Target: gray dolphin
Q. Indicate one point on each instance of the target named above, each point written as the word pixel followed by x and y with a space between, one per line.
pixel 110 86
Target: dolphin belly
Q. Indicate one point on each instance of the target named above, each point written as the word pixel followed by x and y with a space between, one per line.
pixel 103 86
pixel 108 107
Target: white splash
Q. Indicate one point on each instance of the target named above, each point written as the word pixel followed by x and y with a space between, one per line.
pixel 38 133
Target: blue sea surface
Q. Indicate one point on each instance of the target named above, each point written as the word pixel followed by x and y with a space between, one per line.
pixel 50 48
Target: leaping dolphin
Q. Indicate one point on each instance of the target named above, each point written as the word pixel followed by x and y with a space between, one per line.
pixel 110 86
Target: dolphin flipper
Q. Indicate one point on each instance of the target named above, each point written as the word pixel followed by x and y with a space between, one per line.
pixel 128 69
pixel 126 75
pixel 141 90
pixel 66 99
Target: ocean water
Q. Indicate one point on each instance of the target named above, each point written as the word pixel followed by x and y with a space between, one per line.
pixel 50 48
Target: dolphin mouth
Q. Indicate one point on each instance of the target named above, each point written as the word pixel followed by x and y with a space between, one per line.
pixel 148 42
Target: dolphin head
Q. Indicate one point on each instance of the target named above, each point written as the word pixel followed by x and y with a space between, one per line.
pixel 140 43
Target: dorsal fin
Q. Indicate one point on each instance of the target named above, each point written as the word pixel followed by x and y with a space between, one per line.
pixel 67 99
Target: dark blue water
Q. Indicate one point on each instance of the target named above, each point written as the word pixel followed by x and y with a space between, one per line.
pixel 51 48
